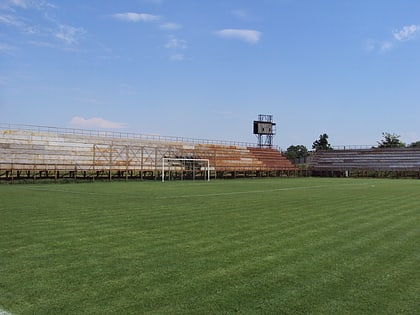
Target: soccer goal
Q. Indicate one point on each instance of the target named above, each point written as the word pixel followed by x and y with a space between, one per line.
pixel 186 168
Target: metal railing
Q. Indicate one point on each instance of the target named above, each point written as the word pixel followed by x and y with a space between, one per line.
pixel 121 135
pixel 352 147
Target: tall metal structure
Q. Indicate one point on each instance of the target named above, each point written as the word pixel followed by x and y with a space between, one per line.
pixel 264 129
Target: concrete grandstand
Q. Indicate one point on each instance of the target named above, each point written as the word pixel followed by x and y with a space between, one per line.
pixel 377 162
pixel 33 152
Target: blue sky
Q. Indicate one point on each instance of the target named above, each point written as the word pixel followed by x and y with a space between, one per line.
pixel 206 69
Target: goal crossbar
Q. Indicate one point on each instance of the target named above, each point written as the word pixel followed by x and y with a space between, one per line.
pixel 186 159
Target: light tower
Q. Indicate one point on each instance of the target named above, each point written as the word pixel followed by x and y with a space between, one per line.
pixel 264 129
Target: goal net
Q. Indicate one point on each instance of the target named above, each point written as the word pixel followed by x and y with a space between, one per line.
pixel 185 168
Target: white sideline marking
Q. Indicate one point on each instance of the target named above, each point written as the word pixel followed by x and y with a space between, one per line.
pixel 257 191
pixel 234 193
pixel 3 312
pixel 76 192
pixel 42 188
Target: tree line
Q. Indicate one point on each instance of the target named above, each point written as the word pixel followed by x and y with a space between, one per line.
pixel 389 140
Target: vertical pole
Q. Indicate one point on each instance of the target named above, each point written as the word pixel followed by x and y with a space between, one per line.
pixel 141 163
pixel 163 169
pixel 127 161
pixel 94 162
pixel 215 164
pixel 183 170
pixel 208 170
pixel 156 167
pixel 110 162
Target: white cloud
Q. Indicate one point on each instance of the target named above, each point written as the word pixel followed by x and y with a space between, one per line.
pixel 26 4
pixel 249 36
pixel 406 33
pixel 42 44
pixel 385 46
pixel 170 26
pixel 403 35
pixel 69 34
pixel 50 28
pixel 95 122
pixel 174 43
pixel 20 24
pixel 378 46
pixel 10 20
pixel 21 3
pixel 136 17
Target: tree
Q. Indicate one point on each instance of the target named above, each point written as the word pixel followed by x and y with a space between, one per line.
pixel 415 144
pixel 322 143
pixel 390 140
pixel 296 152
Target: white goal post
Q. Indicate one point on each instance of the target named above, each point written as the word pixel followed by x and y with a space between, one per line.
pixel 168 166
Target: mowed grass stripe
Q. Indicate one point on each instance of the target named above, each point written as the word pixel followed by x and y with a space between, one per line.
pixel 335 247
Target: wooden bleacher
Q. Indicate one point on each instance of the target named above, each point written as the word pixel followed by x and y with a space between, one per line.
pixel 44 153
pixel 244 159
pixel 272 159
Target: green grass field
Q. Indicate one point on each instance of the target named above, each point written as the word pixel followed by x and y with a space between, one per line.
pixel 254 246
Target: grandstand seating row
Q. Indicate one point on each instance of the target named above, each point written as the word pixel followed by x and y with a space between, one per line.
pixel 22 150
pixel 383 159
pixel 43 151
